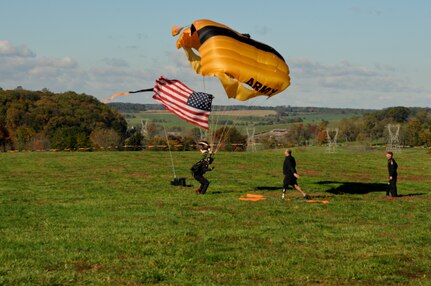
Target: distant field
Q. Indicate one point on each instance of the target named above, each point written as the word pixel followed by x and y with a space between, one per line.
pixel 258 113
pixel 113 218
pixel 240 117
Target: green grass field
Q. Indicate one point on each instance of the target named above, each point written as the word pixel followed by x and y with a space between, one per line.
pixel 112 218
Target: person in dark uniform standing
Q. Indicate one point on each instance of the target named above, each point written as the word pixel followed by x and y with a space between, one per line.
pixel 198 171
pixel 392 171
pixel 290 174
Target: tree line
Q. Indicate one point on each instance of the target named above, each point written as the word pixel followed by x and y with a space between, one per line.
pixel 414 126
pixel 372 128
pixel 42 120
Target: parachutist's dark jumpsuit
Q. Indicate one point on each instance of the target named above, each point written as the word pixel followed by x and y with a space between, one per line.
pixel 201 168
pixel 392 170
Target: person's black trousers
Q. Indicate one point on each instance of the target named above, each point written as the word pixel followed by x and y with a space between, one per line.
pixel 204 184
pixel 392 188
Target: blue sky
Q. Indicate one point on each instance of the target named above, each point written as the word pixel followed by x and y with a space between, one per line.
pixel 341 53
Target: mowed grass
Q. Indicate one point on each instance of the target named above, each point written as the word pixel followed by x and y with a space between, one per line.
pixel 113 218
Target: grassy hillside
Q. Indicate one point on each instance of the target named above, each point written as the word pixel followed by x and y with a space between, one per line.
pixel 112 218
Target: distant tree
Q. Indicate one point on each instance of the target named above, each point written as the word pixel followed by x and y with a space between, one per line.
pixel 414 129
pixel 4 137
pixel 135 139
pixel 158 143
pixel 349 129
pixel 40 142
pixel 228 136
pixel 105 138
pixel 425 136
pixel 397 114
pixel 23 137
pixel 69 137
pixel 298 134
pixel 321 137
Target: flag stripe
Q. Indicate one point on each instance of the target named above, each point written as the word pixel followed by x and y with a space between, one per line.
pixel 174 96
pixel 200 118
pixel 190 112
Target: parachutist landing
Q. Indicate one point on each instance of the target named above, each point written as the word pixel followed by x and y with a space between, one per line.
pixel 198 171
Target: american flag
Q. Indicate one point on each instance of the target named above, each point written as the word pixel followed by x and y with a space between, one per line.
pixel 189 105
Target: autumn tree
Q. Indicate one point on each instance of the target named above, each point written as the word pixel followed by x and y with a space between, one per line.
pixel 105 138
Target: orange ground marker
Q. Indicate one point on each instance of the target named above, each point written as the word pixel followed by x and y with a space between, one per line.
pixel 252 197
pixel 317 201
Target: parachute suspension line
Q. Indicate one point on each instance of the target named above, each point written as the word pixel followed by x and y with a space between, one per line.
pixel 214 129
pixel 210 133
pixel 221 139
pixel 213 124
pixel 170 152
pixel 225 130
pixel 203 83
pixel 206 132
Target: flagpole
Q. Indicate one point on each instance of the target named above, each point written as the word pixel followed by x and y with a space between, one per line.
pixel 169 147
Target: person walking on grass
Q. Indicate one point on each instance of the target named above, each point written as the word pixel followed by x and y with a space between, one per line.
pixel 290 174
pixel 392 171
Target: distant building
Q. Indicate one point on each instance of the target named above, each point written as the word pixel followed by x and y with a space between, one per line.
pixel 274 133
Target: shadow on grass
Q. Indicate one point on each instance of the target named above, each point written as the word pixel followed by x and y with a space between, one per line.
pixel 354 188
pixel 410 195
pixel 268 188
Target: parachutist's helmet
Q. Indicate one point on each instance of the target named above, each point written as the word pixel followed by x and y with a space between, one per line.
pixel 204 145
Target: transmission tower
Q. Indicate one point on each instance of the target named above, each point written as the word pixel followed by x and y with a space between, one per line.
pixel 394 138
pixel 331 137
pixel 251 142
pixel 144 128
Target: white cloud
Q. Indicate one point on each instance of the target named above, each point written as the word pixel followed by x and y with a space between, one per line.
pixel 16 68
pixel 63 63
pixel 348 77
pixel 115 62
pixel 19 66
pixel 9 50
